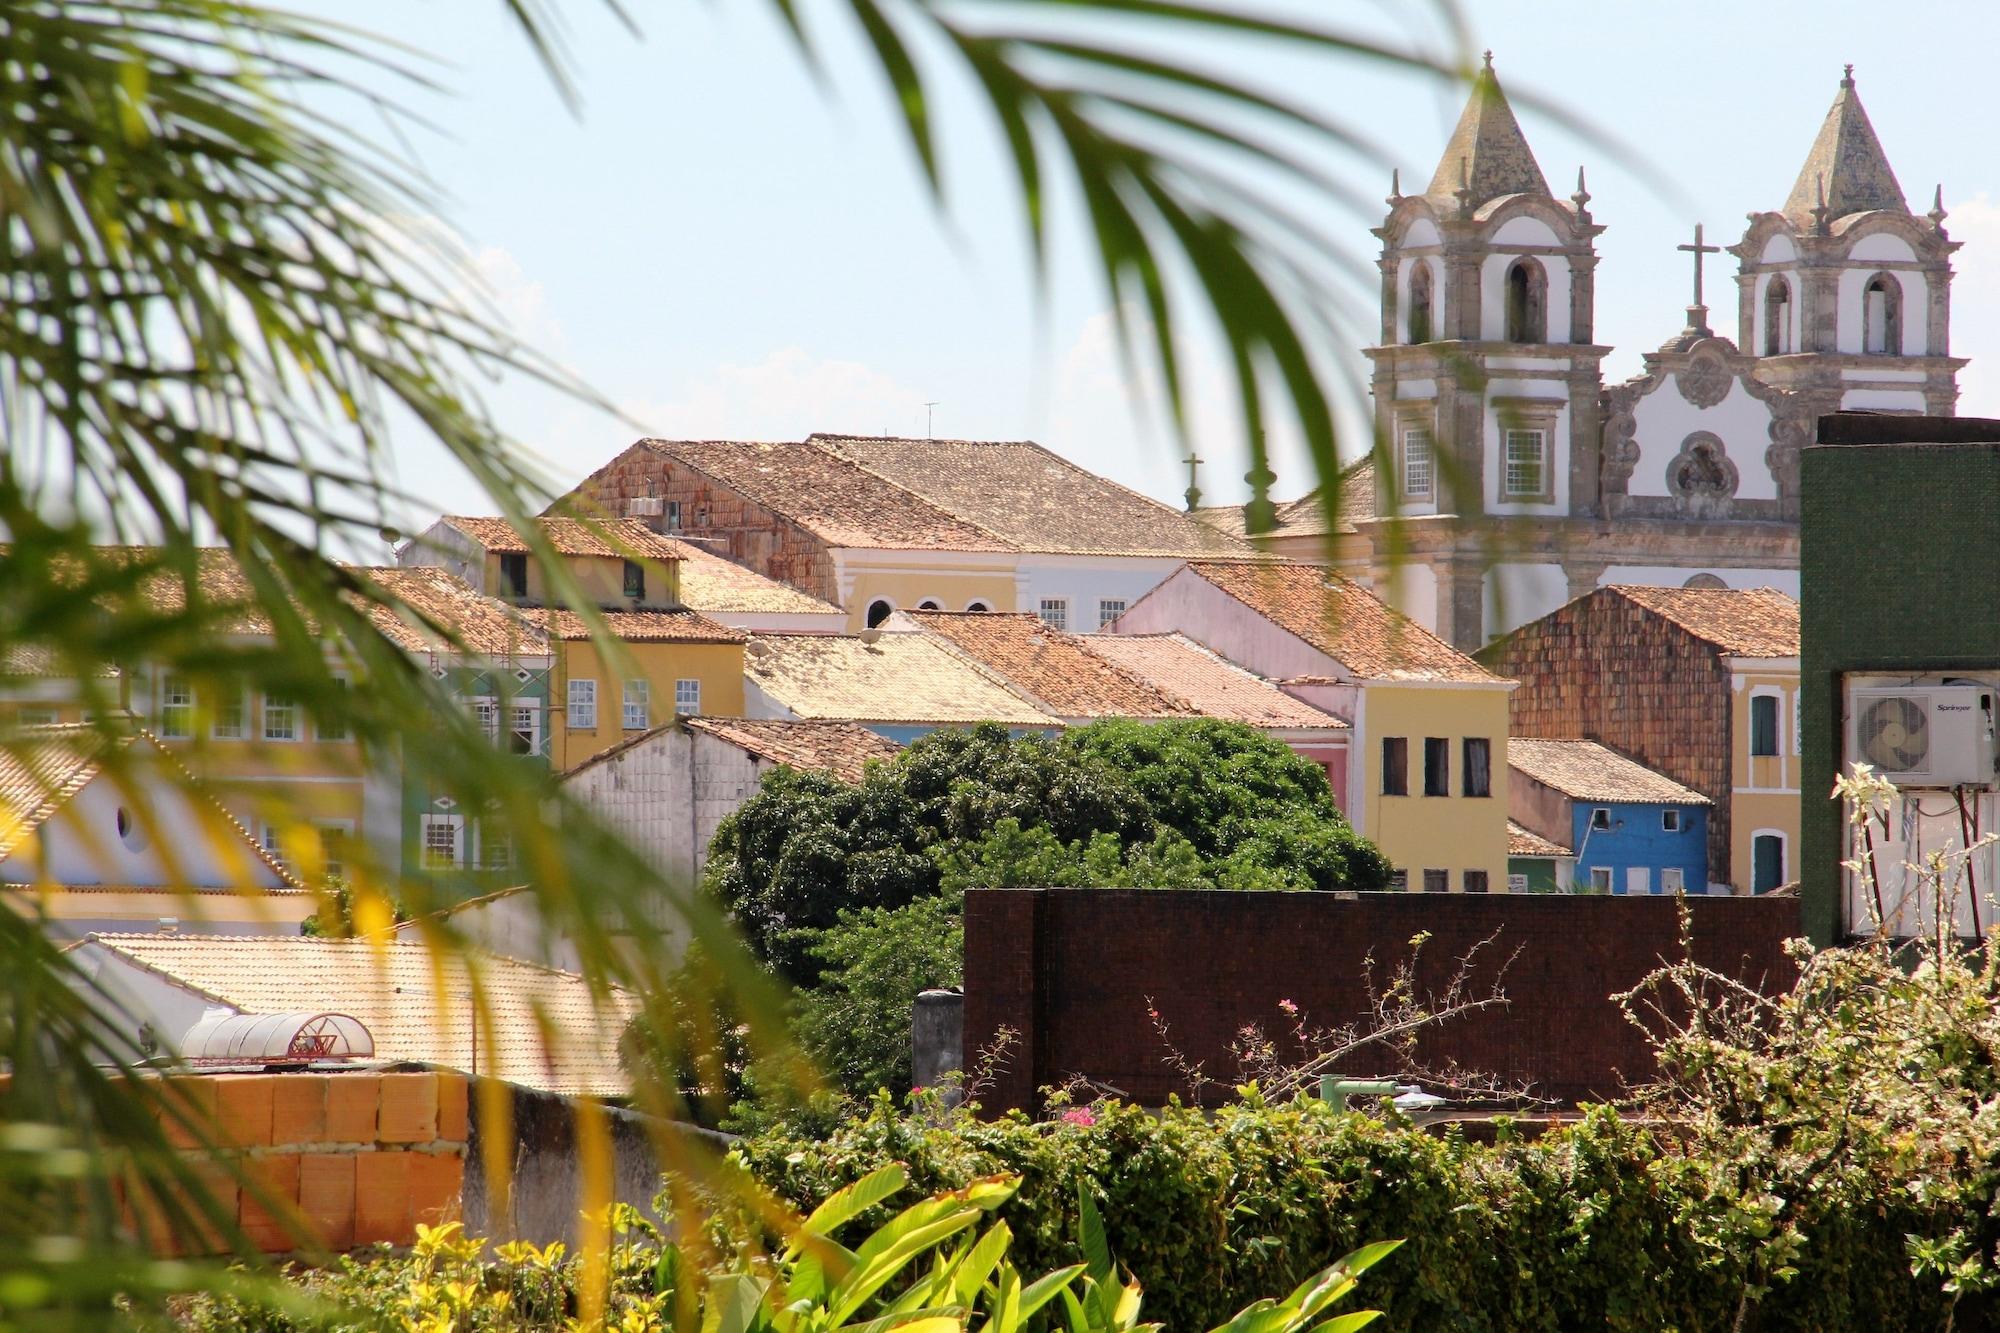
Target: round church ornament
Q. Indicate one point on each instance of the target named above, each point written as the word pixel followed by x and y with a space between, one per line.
pixel 1704 381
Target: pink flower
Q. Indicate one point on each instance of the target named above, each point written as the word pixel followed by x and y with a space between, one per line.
pixel 1079 1115
pixel 1289 1007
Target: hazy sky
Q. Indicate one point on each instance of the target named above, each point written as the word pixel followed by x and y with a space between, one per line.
pixel 726 249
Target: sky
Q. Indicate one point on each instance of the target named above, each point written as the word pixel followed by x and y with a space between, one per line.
pixel 726 247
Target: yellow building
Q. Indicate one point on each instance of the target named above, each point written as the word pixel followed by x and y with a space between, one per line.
pixel 1427 778
pixel 663 659
pixel 1764 762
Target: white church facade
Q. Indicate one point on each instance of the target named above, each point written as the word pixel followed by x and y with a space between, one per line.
pixel 1509 478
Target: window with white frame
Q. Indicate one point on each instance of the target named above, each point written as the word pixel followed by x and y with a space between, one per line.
pixel 272 840
pixel 1672 879
pixel 638 704
pixel 442 844
pixel 232 713
pixel 1108 610
pixel 486 716
pixel 176 710
pixel 1419 467
pixel 335 728
pixel 333 850
pixel 1600 879
pixel 281 719
pixel 524 726
pixel 1670 821
pixel 583 705
pixel 1527 464
pixel 687 698
pixel 496 846
pixel 1055 612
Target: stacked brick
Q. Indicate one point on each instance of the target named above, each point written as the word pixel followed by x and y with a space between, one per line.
pixel 354 1158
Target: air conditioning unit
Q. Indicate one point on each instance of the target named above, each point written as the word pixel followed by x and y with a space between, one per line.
pixel 1923 735
pixel 643 506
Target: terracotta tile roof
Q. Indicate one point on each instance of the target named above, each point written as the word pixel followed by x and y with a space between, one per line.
pixel 681 626
pixel 839 748
pixel 485 625
pixel 907 679
pixel 1306 516
pixel 548 1030
pixel 1343 620
pixel 42 769
pixel 1587 771
pixel 1520 842
pixel 1206 683
pixel 712 584
pixel 1032 499
pixel 1744 622
pixel 841 502
pixel 570 536
pixel 1054 669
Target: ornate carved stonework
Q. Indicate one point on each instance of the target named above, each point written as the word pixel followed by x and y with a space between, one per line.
pixel 1704 381
pixel 1621 445
pixel 1702 477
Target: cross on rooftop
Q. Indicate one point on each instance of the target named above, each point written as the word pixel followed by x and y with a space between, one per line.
pixel 1698 312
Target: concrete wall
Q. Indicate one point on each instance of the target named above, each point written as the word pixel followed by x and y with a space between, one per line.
pixel 1074 971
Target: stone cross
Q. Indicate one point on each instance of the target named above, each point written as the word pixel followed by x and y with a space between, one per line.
pixel 1193 487
pixel 1698 250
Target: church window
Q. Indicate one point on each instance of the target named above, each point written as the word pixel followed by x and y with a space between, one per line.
pixel 1418 465
pixel 1420 303
pixel 1527 463
pixel 1881 316
pixel 1778 318
pixel 879 610
pixel 1527 303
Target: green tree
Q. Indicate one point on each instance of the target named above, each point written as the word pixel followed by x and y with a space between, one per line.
pixel 856 1022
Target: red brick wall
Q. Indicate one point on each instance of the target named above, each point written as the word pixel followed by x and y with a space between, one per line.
pixel 1072 971
pixel 354 1158
pixel 1606 669
pixel 732 524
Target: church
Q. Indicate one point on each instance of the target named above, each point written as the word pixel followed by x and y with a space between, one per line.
pixel 1508 478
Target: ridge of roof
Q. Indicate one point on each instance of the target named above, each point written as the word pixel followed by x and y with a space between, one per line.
pixel 1209 683
pixel 662 624
pixel 1846 170
pixel 1743 622
pixel 1591 771
pixel 568 536
pixel 1049 668
pixel 773 739
pixel 1487 153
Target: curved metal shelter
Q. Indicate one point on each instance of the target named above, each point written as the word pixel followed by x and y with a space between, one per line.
pixel 225 1038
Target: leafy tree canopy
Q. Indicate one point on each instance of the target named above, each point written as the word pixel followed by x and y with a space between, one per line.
pixel 1184 804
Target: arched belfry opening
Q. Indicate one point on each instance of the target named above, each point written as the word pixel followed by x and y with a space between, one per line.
pixel 1527 298
pixel 1778 318
pixel 1422 303
pixel 1882 316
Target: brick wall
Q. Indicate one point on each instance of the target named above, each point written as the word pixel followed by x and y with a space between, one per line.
pixel 1073 971
pixel 356 1157
pixel 730 523
pixel 1606 669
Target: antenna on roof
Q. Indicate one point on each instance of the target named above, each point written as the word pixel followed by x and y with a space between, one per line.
pixel 927 416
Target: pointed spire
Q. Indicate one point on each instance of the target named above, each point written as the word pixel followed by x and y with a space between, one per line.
pixel 1395 187
pixel 1581 198
pixel 1937 213
pixel 1847 163
pixel 1487 155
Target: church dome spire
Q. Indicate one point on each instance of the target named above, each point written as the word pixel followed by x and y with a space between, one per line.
pixel 1846 171
pixel 1487 156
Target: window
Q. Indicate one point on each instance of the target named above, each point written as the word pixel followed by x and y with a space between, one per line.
pixel 176 708
pixel 638 704
pixel 1763 724
pixel 635 579
pixel 1600 879
pixel 879 610
pixel 1108 610
pixel 1527 469
pixel 335 728
pixel 1475 881
pixel 513 573
pixel 441 845
pixel 524 727
pixel 231 717
pixel 1399 881
pixel 687 698
pixel 35 717
pixel 1527 303
pixel 486 716
pixel 1437 766
pixel 1881 316
pixel 583 705
pixel 1055 612
pixel 1417 463
pixel 1600 819
pixel 1638 880
pixel 1437 881
pixel 671 515
pixel 333 851
pixel 1778 318
pixel 1767 862
pixel 272 841
pixel 281 719
pixel 1420 303
pixel 1670 821
pixel 977 606
pixel 929 604
pixel 1395 766
pixel 1517 883
pixel 1478 766
pixel 1672 879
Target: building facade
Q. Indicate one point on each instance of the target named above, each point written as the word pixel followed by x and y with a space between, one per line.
pixel 1631 830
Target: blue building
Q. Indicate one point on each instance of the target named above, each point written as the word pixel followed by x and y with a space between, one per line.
pixel 1629 829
